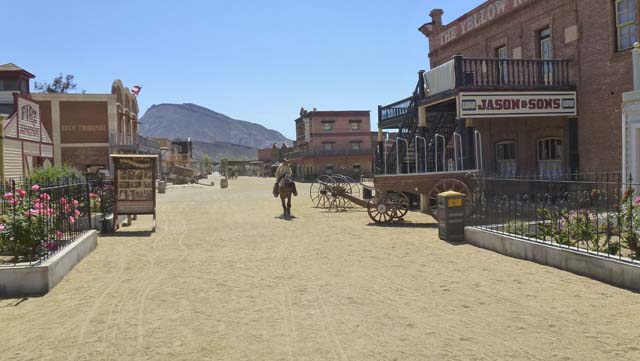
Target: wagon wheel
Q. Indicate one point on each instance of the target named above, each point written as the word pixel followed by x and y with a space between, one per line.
pixel 445 185
pixel 380 211
pixel 342 187
pixel 319 192
pixel 400 203
pixel 354 187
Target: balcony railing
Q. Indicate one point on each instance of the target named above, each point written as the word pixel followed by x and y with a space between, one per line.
pixel 512 74
pixel 338 152
pixel 133 142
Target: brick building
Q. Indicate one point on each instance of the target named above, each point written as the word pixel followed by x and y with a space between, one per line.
pixel 332 142
pixel 528 85
pixel 86 128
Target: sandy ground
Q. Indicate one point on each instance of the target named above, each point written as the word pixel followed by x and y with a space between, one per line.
pixel 225 278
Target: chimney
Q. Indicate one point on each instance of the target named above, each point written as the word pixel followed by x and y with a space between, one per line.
pixel 436 16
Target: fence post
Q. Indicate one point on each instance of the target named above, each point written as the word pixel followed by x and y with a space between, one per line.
pixel 88 204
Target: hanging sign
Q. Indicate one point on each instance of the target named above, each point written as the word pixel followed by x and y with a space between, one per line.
pixel 519 104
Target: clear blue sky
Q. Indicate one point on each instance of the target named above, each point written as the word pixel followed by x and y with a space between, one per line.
pixel 252 60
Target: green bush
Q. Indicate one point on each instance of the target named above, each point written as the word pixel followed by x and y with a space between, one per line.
pixel 53 175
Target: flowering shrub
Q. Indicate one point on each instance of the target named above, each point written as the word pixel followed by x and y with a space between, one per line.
pixel 33 223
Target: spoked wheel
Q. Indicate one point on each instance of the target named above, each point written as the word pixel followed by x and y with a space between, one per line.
pixel 343 185
pixel 399 202
pixel 319 192
pixel 336 201
pixel 380 211
pixel 445 185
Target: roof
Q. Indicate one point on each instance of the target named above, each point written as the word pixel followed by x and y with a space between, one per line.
pixel 11 67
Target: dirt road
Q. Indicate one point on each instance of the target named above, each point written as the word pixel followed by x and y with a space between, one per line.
pixel 224 278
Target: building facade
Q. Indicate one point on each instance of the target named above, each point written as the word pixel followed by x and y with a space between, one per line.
pixel 86 128
pixel 529 86
pixel 332 142
pixel 25 144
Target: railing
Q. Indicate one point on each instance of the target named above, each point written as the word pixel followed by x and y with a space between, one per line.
pixel 133 140
pixel 598 214
pixel 38 220
pixel 338 152
pixel 441 158
pixel 487 73
pixel 394 110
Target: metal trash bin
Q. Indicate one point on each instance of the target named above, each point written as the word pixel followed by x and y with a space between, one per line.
pixel 162 187
pixel 224 183
pixel 451 217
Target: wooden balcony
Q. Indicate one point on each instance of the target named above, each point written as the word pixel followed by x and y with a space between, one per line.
pixel 480 74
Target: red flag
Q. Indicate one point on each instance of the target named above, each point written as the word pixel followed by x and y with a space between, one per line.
pixel 136 89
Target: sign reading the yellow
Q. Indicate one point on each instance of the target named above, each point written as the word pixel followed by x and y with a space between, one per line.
pixel 455 202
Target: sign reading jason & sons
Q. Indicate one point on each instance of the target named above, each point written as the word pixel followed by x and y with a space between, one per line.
pixel 524 104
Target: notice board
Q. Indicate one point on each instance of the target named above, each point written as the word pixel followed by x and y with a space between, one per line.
pixel 135 185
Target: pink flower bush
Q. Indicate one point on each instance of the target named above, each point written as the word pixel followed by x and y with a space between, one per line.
pixel 50 245
pixel 637 200
pixel 2 227
pixel 76 213
pixel 75 203
pixel 63 201
pixel 72 220
pixel 59 234
pixel 45 196
pixel 93 195
pixel 21 192
pixel 35 187
pixel 8 195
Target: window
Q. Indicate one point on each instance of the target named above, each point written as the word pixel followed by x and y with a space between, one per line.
pixel 9 85
pixel 626 29
pixel 549 157
pixel 328 169
pixel 546 53
pixel 506 159
pixel 327 125
pixel 356 167
pixel 355 145
pixel 355 124
pixel 327 146
pixel 6 109
pixel 501 53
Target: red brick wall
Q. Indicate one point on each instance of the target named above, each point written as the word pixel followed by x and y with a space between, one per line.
pixel 341 135
pixel 600 73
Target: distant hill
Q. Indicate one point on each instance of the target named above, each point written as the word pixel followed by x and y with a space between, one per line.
pixel 201 124
pixel 219 150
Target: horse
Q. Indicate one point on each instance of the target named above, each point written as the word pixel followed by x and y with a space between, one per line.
pixel 286 187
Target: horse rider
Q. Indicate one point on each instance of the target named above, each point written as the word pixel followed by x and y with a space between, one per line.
pixel 283 169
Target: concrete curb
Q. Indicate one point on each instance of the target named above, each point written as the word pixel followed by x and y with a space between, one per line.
pixel 589 264
pixel 22 281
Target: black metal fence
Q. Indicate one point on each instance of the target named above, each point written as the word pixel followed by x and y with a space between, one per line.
pixel 597 213
pixel 38 220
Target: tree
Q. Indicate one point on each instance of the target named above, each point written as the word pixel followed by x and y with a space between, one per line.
pixel 60 84
pixel 208 163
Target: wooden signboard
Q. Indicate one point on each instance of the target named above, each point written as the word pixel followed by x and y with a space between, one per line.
pixel 135 176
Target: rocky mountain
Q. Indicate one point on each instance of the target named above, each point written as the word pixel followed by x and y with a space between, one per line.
pixel 220 150
pixel 201 124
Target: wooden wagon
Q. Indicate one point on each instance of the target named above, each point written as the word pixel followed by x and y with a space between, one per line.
pixel 389 201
